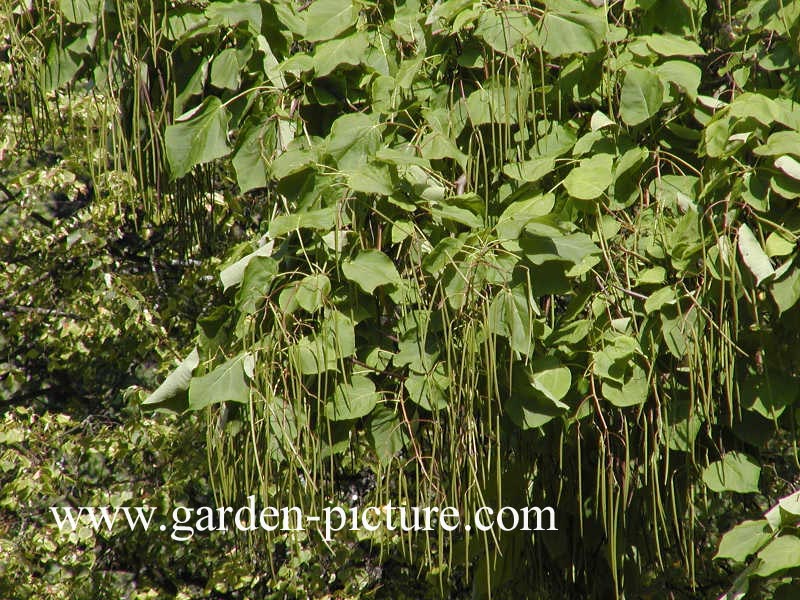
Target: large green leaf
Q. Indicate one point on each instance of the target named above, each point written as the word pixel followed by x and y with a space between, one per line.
pixel 457 214
pixel 492 103
pixel 683 74
pixel 428 390
pixel 780 142
pixel 551 378
pixel 641 97
pixel 387 433
pixel 591 178
pixel 753 255
pixel 512 315
pixel 235 12
pixel 81 11
pixel 371 269
pixel 310 355
pixel 371 179
pixel 777 244
pixel 196 76
pixel 526 405
pixel 743 540
pixel 348 50
pixel 520 213
pixel 672 45
pixel 182 21
pixel 780 554
pixel 337 332
pixel 226 383
pixel 443 254
pixel 786 291
pixel 326 19
pixel 256 281
pixel 59 68
pixel 785 186
pixel 612 361
pixel 502 30
pixel 415 347
pixel 324 350
pixel 197 137
pixel 736 472
pixel 631 392
pixel 232 274
pixel 573 248
pixel 322 219
pixel 172 393
pixel 789 166
pixel 225 70
pixel 530 170
pixel 685 425
pixel 352 399
pixel 571 32
pixel 298 157
pixel 312 291
pixel 786 513
pixel 556 141
pixel 680 329
pixel 256 143
pixel 769 393
pixel 354 139
pixel 760 107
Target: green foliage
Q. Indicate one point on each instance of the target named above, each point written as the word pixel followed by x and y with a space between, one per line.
pixel 533 232
pixel 773 543
pixel 197 137
pixel 507 251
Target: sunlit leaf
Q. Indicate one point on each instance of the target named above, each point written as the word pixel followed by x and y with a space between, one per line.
pixel 352 399
pixel 387 433
pixel 371 269
pixel 175 387
pixel 226 383
pixel 780 554
pixel 571 32
pixel 326 19
pixel 736 472
pixel 788 165
pixel 743 540
pixel 753 255
pixel 591 178
pixel 641 97
pixel 672 45
pixel 197 137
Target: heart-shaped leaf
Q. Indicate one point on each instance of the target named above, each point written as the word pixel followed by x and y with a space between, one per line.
pixel 371 269
pixel 641 97
pixel 226 383
pixel 352 399
pixel 197 137
pixel 591 178
pixel 736 472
